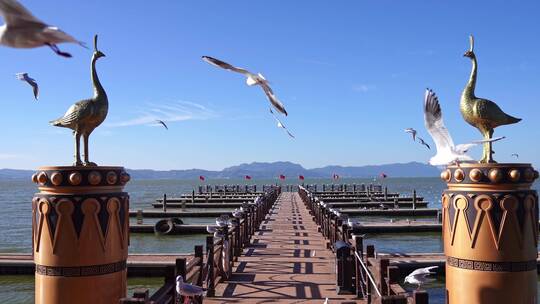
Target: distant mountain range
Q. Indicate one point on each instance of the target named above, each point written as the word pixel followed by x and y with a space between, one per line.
pixel 268 170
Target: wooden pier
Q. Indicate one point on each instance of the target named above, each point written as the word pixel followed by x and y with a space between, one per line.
pixel 287 261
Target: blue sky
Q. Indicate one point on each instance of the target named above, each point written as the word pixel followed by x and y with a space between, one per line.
pixel 350 73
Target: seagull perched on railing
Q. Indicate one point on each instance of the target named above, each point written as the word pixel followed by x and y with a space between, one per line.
pixel 447 152
pixel 419 276
pixel 31 81
pixel 252 79
pixel 187 290
pixel 23 31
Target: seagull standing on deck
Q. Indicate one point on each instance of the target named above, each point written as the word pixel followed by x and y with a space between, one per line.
pixel 447 152
pixel 22 30
pixel 419 276
pixel 252 79
pixel 187 290
pixel 31 81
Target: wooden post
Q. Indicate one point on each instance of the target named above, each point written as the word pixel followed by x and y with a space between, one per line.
pixel 359 248
pixel 199 254
pixel 143 294
pixel 420 297
pixel 414 199
pixel 164 202
pixel 210 287
pixel 385 193
pixel 383 265
pixel 370 251
pixel 139 217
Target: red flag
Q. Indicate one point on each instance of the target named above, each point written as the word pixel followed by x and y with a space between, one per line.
pixel 248 177
pixel 383 175
pixel 281 176
pixel 300 177
pixel 201 178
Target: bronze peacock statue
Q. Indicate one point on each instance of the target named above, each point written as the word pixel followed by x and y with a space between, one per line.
pixel 481 113
pixel 84 116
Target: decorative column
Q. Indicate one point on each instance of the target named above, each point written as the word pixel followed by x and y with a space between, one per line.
pixel 490 233
pixel 80 227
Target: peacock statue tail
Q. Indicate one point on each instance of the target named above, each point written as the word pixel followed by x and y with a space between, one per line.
pixel 483 114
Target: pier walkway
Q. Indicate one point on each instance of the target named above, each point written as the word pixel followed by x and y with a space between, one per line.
pixel 287 262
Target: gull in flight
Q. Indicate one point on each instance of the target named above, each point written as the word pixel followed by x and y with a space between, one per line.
pixel 252 79
pixel 412 132
pixel 447 152
pixel 515 155
pixel 187 290
pixel 419 276
pixel 162 123
pixel 422 142
pixel 280 124
pixel 22 30
pixel 31 81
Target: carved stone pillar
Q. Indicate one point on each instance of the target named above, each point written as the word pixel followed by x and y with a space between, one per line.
pixel 490 233
pixel 80 227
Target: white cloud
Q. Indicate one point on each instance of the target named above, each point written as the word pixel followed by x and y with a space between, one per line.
pixel 363 88
pixel 4 156
pixel 168 112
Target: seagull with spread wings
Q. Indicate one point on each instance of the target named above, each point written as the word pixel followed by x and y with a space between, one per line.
pixel 22 30
pixel 280 124
pixel 412 132
pixel 447 152
pixel 31 81
pixel 419 276
pixel 252 79
pixel 515 155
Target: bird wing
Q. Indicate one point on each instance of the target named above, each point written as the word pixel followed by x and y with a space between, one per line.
pixel 423 142
pixel 162 123
pixel 190 290
pixel 56 35
pixel 222 64
pixel 75 113
pixel 434 122
pixel 272 98
pixel 16 15
pixel 463 148
pixel 483 141
pixel 422 271
pixel 280 124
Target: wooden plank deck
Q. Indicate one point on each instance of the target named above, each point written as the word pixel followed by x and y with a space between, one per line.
pixel 287 262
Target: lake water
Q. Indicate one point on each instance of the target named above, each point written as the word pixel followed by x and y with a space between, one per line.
pixel 15 224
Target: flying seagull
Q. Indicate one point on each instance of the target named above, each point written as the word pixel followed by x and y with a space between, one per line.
pixel 280 124
pixel 447 152
pixel 31 81
pixel 252 79
pixel 187 290
pixel 515 155
pixel 422 142
pixel 412 132
pixel 22 30
pixel 419 276
pixel 162 123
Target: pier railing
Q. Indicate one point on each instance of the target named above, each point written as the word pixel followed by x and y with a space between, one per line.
pixel 215 265
pixel 369 277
